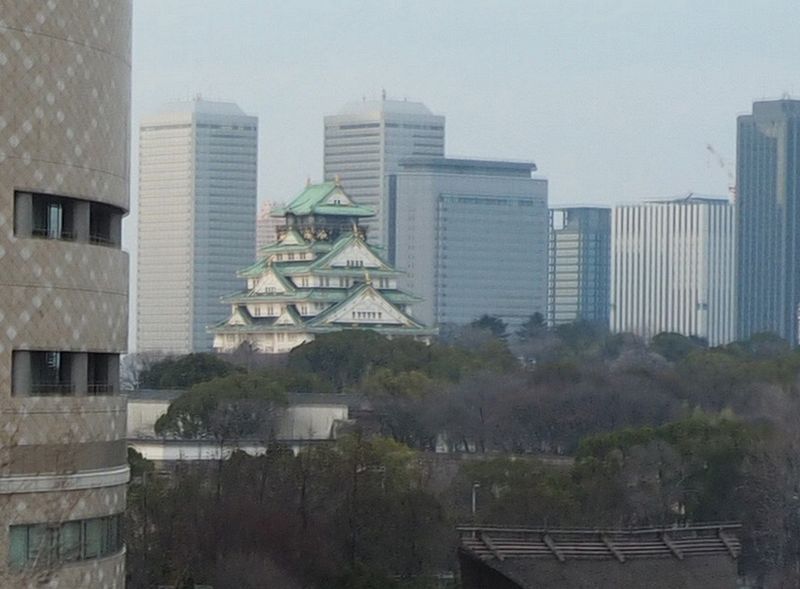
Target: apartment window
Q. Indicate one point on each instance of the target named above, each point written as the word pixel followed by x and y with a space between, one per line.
pixel 54 373
pixel 44 545
pixel 51 373
pixel 105 224
pixel 53 217
pixel 48 216
pixel 102 374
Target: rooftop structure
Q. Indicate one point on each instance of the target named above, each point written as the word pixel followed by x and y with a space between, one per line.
pixel 320 276
pixel 640 558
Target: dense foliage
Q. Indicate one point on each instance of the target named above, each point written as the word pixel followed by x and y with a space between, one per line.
pixel 550 426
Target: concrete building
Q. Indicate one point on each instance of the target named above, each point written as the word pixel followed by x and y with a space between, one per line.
pixel 768 220
pixel 320 276
pixel 673 268
pixel 579 287
pixel 366 140
pixel 471 237
pixel 64 173
pixel 197 219
pixel 267 225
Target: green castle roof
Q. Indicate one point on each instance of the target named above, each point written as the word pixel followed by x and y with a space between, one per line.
pixel 314 200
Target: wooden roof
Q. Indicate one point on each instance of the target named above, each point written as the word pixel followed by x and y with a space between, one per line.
pixel 498 543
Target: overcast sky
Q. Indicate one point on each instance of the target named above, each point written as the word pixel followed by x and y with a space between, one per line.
pixel 615 100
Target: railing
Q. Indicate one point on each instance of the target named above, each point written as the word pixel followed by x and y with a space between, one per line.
pixel 52 388
pixel 45 233
pixel 100 388
pixel 100 239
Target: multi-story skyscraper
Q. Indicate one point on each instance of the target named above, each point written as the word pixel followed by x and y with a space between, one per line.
pixel 471 236
pixel 768 220
pixel 366 140
pixel 673 268
pixel 64 136
pixel 197 219
pixel 580 265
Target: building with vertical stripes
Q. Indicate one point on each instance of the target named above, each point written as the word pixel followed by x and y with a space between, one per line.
pixel 673 268
pixel 579 286
pixel 768 220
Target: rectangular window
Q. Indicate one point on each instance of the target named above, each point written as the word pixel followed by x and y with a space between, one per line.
pixel 53 217
pixel 92 538
pixel 51 373
pixel 69 541
pixel 41 545
pixel 18 548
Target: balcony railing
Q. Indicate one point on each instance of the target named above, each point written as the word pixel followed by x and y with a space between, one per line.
pixel 52 388
pixel 100 388
pixel 45 233
pixel 100 239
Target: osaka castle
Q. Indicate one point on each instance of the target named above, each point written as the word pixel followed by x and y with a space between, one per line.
pixel 320 276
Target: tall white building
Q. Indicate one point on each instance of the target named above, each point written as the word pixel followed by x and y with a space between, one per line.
pixel 365 142
pixel 673 268
pixel 197 213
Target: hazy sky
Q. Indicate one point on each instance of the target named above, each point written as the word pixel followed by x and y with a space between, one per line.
pixel 614 100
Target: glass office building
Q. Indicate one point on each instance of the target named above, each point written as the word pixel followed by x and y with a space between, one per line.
pixel 579 287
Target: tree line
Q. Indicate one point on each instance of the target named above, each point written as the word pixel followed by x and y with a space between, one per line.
pixel 659 432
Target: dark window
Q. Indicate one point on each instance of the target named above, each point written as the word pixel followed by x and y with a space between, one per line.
pixel 53 217
pixel 51 373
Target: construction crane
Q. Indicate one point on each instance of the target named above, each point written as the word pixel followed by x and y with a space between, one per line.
pixel 725 165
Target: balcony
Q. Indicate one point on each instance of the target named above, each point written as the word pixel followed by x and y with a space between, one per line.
pixel 64 374
pixel 46 216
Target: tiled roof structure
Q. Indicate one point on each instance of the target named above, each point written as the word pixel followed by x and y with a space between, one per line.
pixel 538 558
pixel 320 276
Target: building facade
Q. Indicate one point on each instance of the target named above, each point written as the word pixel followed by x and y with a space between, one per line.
pixel 197 219
pixel 471 238
pixel 267 225
pixel 320 276
pixel 673 268
pixel 768 220
pixel 64 172
pixel 579 287
pixel 366 140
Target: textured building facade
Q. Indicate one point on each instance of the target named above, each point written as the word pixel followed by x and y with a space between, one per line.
pixel 471 236
pixel 366 140
pixel 197 219
pixel 768 220
pixel 64 153
pixel 673 268
pixel 579 286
